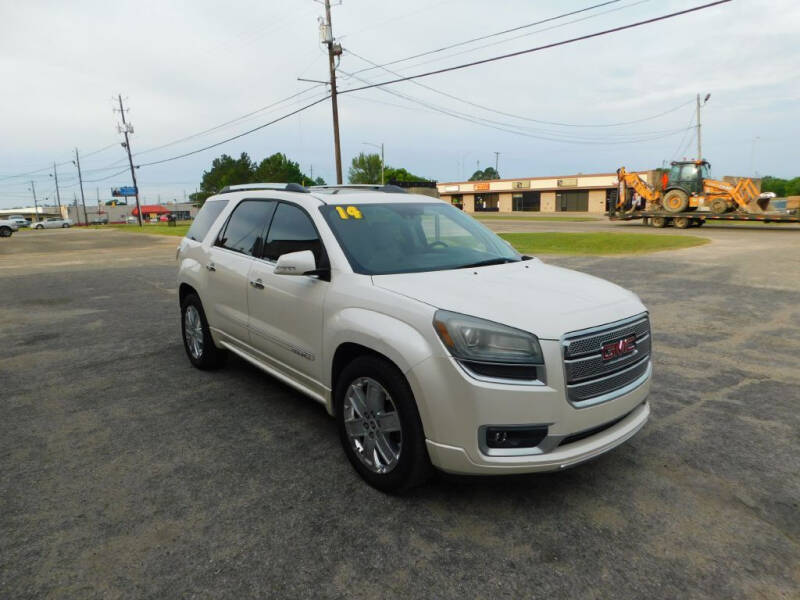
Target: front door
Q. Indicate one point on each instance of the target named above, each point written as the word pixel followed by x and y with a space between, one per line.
pixel 286 311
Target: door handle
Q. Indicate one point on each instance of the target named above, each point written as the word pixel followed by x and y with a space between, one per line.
pixel 210 266
pixel 258 284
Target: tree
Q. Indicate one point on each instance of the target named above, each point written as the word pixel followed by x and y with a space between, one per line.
pixel 486 174
pixel 226 170
pixel 366 168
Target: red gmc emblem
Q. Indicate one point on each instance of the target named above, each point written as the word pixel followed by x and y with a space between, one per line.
pixel 619 348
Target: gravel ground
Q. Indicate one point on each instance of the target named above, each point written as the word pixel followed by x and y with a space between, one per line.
pixel 125 473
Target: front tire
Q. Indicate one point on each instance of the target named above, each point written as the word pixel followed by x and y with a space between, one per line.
pixel 39 227
pixel 5 231
pixel 197 340
pixel 379 425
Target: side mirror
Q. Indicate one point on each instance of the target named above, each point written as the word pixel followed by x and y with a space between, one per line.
pixel 296 263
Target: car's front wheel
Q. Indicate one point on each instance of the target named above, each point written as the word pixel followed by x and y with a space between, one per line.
pixel 39 227
pixel 5 231
pixel 197 340
pixel 379 425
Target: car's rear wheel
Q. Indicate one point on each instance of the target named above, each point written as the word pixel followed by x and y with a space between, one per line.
pixel 65 226
pixel 39 227
pixel 379 425
pixel 5 231
pixel 197 340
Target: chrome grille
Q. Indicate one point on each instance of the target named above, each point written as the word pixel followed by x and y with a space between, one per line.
pixel 588 376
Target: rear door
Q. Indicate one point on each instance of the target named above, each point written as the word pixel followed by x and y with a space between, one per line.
pixel 286 310
pixel 229 261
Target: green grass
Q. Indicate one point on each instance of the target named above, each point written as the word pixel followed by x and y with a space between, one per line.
pixel 152 228
pixel 599 243
pixel 497 217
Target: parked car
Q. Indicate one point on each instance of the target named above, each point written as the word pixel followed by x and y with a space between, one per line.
pixel 7 227
pixel 19 220
pixel 431 341
pixel 53 223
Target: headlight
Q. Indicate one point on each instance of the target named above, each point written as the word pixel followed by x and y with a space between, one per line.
pixel 489 349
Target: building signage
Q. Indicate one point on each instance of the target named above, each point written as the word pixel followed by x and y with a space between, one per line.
pixel 124 191
pixel 571 182
pixel 520 185
pixel 481 187
pixel 451 188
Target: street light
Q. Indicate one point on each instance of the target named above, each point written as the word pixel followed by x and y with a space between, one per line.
pixel 381 147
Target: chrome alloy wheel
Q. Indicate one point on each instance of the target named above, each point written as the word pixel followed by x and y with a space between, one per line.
pixel 193 331
pixel 373 425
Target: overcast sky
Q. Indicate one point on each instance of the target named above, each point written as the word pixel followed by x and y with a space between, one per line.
pixel 185 67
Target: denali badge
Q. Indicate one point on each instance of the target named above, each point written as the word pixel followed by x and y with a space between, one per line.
pixel 619 348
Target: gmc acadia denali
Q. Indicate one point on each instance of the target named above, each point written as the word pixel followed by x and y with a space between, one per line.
pixel 427 337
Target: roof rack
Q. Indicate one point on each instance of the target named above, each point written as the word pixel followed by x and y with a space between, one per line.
pixel 358 187
pixel 247 187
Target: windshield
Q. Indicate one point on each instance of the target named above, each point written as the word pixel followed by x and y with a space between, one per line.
pixel 379 239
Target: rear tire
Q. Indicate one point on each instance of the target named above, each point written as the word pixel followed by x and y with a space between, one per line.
pixel 658 222
pixel 675 201
pixel 197 340
pixel 65 226
pixel 5 231
pixel 681 222
pixel 385 444
pixel 38 227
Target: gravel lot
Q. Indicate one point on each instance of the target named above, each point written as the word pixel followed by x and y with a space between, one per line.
pixel 124 472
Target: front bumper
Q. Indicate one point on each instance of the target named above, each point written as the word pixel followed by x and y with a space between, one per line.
pixel 454 407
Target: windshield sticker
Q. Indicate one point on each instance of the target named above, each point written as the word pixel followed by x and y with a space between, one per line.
pixel 349 211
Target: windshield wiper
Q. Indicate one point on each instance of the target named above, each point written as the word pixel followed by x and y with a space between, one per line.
pixel 488 262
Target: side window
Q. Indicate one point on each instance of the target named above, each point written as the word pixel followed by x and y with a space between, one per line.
pixel 244 231
pixel 205 219
pixel 292 231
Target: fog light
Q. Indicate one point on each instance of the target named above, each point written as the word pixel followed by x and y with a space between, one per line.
pixel 515 437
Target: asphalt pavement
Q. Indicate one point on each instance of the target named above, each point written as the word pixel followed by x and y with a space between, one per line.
pixel 126 473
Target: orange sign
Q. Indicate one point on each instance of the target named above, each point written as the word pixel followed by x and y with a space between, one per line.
pixel 481 187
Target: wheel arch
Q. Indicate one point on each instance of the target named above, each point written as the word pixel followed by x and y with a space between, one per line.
pixel 184 290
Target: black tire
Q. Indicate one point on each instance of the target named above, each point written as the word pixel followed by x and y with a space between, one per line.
pixel 675 201
pixel 38 226
pixel 681 222
pixel 65 226
pixel 209 356
pixel 719 206
pixel 413 465
pixel 5 231
pixel 658 222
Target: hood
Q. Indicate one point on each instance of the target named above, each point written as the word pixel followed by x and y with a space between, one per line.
pixel 548 301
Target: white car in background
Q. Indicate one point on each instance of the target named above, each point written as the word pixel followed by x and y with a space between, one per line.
pixel 7 228
pixel 53 223
pixel 19 220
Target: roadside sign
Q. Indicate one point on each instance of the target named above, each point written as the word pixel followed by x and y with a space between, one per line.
pixel 123 191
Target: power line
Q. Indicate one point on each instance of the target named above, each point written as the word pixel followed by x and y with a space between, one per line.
pixel 47 168
pixel 491 35
pixel 507 114
pixel 248 132
pixel 537 48
pixel 125 170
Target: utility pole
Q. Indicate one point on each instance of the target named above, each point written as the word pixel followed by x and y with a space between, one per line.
pixel 77 163
pixel 35 204
pixel 334 50
pixel 127 128
pixel 58 194
pixel 699 139
pixel 382 162
pixel 497 163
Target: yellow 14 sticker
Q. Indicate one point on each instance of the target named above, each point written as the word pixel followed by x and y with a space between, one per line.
pixel 347 212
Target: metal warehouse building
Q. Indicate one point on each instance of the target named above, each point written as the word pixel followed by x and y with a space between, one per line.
pixel 571 193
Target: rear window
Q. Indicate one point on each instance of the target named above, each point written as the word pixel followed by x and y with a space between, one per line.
pixel 205 219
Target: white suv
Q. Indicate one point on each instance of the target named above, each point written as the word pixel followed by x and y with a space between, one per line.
pixel 427 337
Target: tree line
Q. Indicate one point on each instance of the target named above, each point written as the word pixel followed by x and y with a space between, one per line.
pixel 278 168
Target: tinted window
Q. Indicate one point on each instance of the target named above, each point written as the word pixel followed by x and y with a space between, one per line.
pixel 244 231
pixel 292 231
pixel 205 219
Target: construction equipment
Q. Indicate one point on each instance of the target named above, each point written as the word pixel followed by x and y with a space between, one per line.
pixel 687 187
pixel 687 197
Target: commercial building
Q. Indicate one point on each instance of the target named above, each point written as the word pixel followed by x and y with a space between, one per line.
pixel 120 211
pixel 590 193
